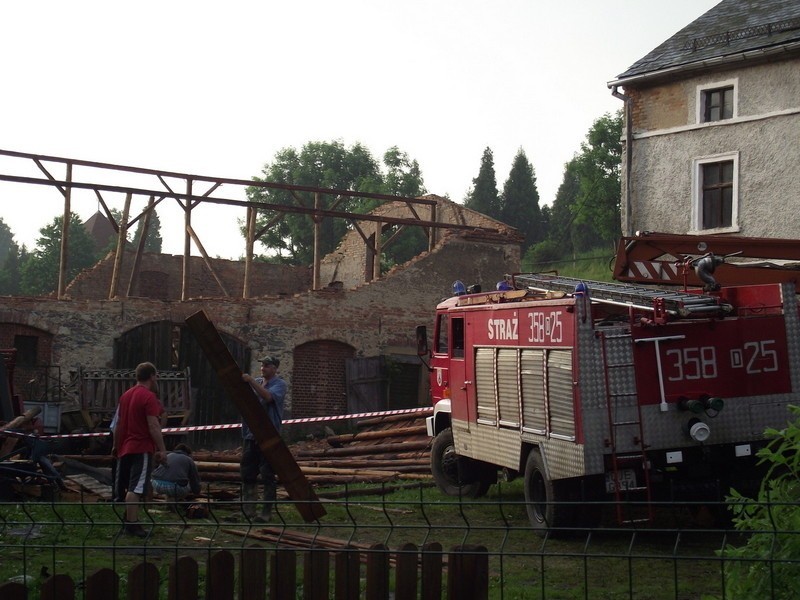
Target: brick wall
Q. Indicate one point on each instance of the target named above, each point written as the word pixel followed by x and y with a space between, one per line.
pixel 161 277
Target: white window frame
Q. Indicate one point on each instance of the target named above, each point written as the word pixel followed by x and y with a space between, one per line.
pixel 700 102
pixel 697 193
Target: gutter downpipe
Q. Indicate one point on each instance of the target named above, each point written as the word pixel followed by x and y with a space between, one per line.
pixel 628 157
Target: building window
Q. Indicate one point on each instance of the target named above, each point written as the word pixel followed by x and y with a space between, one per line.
pixel 27 348
pixel 716 102
pixel 715 205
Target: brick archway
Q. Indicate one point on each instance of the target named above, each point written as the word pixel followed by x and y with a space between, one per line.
pixel 319 382
pixel 32 372
pixel 172 346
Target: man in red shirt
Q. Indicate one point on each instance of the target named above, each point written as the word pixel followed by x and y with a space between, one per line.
pixel 138 443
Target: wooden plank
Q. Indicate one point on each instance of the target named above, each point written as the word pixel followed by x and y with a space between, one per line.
pixel 316 575
pixel 253 574
pixel 378 572
pixel 143 581
pixel 283 574
pixel 406 578
pixel 102 584
pixel 220 576
pixel 264 432
pixel 183 579
pixel 431 575
pixel 58 587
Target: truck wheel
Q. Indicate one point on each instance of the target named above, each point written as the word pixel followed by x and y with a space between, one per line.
pixel 451 472
pixel 541 496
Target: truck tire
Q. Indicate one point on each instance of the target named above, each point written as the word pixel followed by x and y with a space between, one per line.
pixel 542 497
pixel 453 473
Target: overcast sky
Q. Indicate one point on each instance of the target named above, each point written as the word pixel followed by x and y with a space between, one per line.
pixel 217 88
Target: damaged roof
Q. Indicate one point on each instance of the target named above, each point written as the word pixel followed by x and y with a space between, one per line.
pixel 732 31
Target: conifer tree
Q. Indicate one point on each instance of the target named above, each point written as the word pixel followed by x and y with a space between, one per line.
pixel 519 204
pixel 483 197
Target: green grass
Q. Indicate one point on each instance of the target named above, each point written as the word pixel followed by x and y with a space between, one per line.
pixel 594 265
pixel 77 539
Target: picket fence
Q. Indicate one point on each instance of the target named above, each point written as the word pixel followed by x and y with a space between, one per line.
pixel 272 574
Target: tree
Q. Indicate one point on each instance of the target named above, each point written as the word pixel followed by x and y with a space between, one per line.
pixel 10 271
pixel 598 168
pixel 329 165
pixel 483 197
pixel 403 178
pixel 519 203
pixel 586 211
pixel 318 164
pixel 6 241
pixel 39 272
pixel 153 241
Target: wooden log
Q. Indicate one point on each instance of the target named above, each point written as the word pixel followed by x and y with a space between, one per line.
pixel 338 440
pixel 264 432
pixel 17 422
pixel 395 418
pixel 206 466
pixel 361 463
pixel 356 450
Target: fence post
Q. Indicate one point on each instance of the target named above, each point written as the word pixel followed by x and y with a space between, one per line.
pixel 253 574
pixel 468 573
pixel 13 591
pixel 347 566
pixel 58 587
pixel 183 579
pixel 405 580
pixel 102 585
pixel 143 582
pixel 378 572
pixel 431 571
pixel 283 574
pixel 316 575
pixel 220 575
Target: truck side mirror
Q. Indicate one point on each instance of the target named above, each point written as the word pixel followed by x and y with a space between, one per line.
pixel 422 340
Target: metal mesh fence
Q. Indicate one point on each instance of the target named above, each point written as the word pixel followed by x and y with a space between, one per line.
pixel 688 551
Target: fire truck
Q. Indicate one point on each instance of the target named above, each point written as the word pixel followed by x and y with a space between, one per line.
pixel 613 392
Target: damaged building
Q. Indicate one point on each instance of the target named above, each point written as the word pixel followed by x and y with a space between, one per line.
pixel 344 331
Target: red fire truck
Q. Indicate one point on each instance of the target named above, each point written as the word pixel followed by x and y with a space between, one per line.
pixel 609 391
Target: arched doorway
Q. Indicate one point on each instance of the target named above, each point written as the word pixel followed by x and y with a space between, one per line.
pixel 319 378
pixel 172 346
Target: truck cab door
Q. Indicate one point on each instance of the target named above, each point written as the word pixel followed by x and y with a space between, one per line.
pixel 460 383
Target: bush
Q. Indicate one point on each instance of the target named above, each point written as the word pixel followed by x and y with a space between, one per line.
pixel 767 565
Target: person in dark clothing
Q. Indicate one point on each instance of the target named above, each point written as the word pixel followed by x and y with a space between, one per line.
pixel 178 477
pixel 271 392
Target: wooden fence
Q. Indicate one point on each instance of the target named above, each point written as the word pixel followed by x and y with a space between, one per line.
pixel 417 574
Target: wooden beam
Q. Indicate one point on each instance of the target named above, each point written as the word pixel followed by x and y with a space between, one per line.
pixel 207 261
pixel 122 239
pixel 64 255
pixel 250 241
pixel 187 243
pixel 137 261
pixel 264 432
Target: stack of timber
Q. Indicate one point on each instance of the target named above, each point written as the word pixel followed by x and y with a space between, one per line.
pixel 384 449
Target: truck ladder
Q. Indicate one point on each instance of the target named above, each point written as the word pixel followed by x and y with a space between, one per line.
pixel 624 415
pixel 675 303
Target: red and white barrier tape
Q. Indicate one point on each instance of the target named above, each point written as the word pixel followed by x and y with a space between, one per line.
pixel 173 430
